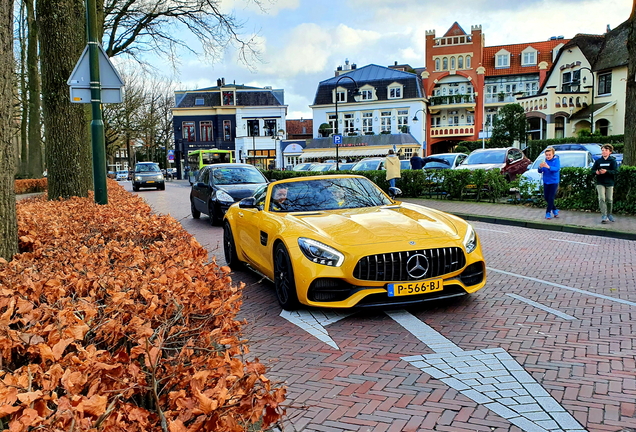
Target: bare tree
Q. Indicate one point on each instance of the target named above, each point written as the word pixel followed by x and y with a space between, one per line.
pixel 8 218
pixel 629 151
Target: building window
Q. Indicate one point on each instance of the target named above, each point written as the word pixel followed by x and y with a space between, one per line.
pixel 531 88
pixel 445 63
pixel 605 83
pixel 341 96
pixel 559 127
pixel 436 121
pixel 566 85
pixel 436 64
pixel 403 121
pixel 529 58
pixel 385 121
pixel 252 128
pixel 199 101
pixel 367 122
pixel 503 60
pixel 227 130
pixel 467 62
pixel 452 62
pixel 269 127
pixel 206 130
pixel 367 94
pixel 491 91
pixel 228 98
pixel 348 124
pixel 189 133
pixel 333 123
pixel 511 89
pixel 460 62
pixel 395 93
pixel 470 119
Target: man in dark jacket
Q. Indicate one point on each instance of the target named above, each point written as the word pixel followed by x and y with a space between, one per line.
pixel 605 169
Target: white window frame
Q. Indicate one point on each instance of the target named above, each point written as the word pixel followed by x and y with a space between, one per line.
pixel 199 101
pixel 367 122
pixel 503 60
pixel 402 119
pixel 385 121
pixel 529 58
pixel 349 123
pixel 395 92
pixel 366 94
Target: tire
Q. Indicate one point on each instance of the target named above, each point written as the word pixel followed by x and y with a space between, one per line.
pixel 162 187
pixel 214 219
pixel 229 248
pixel 196 214
pixel 284 281
pixel 135 188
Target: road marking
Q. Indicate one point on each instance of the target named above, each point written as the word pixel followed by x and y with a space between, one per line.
pixel 490 377
pixel 314 322
pixel 542 307
pixel 486 229
pixel 572 241
pixel 617 300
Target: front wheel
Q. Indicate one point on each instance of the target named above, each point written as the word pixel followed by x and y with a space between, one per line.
pixel 229 248
pixel 135 189
pixel 214 219
pixel 284 281
pixel 196 214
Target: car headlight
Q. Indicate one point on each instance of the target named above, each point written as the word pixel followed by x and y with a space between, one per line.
pixel 224 196
pixel 137 178
pixel 320 253
pixel 470 239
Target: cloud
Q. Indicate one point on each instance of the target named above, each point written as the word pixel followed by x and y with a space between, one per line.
pixel 261 7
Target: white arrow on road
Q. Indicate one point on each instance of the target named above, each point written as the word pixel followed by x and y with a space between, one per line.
pixel 490 377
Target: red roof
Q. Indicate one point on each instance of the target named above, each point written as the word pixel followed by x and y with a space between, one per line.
pixel 455 30
pixel 544 54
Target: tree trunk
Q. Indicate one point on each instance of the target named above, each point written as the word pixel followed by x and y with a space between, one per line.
pixel 35 164
pixel 8 218
pixel 629 151
pixel 68 145
pixel 23 167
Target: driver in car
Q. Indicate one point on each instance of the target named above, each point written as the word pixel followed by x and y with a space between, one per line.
pixel 279 199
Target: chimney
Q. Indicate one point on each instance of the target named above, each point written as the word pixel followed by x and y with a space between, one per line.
pixel 218 82
pixel 222 81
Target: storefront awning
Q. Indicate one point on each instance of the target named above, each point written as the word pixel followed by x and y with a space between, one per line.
pixel 355 152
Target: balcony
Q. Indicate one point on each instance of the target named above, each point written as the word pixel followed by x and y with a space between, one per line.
pixel 452 131
pixel 501 98
pixel 454 100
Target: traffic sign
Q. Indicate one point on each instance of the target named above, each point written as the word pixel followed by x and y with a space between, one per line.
pixel 110 81
pixel 337 139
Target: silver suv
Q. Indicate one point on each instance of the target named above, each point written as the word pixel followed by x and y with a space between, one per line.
pixel 148 175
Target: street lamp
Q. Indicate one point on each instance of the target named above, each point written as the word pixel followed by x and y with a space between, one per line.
pixel 415 120
pixel 592 104
pixel 355 93
pixel 278 138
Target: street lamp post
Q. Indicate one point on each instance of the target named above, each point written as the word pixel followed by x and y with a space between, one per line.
pixel 415 120
pixel 356 92
pixel 592 104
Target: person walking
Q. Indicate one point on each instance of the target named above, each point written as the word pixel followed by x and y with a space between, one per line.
pixel 605 169
pixel 392 165
pixel 550 168
pixel 416 161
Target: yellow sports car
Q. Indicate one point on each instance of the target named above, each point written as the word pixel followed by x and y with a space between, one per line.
pixel 339 241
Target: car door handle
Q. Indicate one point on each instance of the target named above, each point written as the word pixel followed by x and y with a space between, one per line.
pixel 240 214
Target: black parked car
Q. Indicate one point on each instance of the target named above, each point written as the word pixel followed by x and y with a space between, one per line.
pixel 219 186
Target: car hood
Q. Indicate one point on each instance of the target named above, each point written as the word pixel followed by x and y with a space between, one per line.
pixel 375 225
pixel 240 191
pixel 532 175
pixel 481 166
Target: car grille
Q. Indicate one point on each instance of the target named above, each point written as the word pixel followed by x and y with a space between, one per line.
pixel 392 266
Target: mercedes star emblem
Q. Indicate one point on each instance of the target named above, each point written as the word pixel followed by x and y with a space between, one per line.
pixel 417 266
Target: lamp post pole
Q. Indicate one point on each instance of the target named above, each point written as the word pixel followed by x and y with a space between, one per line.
pixel 253 149
pixel 415 120
pixel 356 92
pixel 592 104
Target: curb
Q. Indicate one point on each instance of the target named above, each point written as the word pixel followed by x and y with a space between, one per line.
pixel 574 229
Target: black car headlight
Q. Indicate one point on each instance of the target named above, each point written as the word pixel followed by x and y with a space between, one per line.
pixel 224 196
pixel 320 253
pixel 470 239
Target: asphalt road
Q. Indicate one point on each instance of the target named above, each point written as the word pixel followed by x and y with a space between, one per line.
pixel 548 345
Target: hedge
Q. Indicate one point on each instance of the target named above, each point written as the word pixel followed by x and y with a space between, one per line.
pixel 113 319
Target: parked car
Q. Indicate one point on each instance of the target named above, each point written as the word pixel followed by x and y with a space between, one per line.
pixel 148 175
pixel 331 241
pixel 302 166
pixel 219 186
pixel 122 175
pixel 343 166
pixel 510 161
pixel 567 158
pixel 443 160
pixel 593 148
pixel 369 164
pixel 322 166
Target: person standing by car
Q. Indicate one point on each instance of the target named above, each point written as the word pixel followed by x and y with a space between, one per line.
pixel 392 165
pixel 605 169
pixel 416 161
pixel 550 168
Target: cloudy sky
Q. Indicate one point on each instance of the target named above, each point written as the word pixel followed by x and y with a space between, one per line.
pixel 301 42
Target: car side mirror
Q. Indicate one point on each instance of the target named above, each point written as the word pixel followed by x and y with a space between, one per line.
pixel 201 185
pixel 247 203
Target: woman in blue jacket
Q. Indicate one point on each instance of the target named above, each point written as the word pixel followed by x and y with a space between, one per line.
pixel 550 169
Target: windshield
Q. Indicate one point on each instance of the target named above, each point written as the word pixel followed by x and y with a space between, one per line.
pixel 326 194
pixel 367 165
pixel 438 162
pixel 236 175
pixel 147 168
pixel 486 157
pixel 566 159
pixel 595 149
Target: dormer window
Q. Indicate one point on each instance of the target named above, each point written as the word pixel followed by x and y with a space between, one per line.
pixel 339 94
pixel 502 59
pixel 395 91
pixel 199 101
pixel 529 57
pixel 228 97
pixel 367 93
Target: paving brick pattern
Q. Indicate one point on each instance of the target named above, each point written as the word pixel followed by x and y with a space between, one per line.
pixel 587 365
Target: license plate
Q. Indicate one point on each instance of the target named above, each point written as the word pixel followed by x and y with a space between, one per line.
pixel 416 287
pixel 150 181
